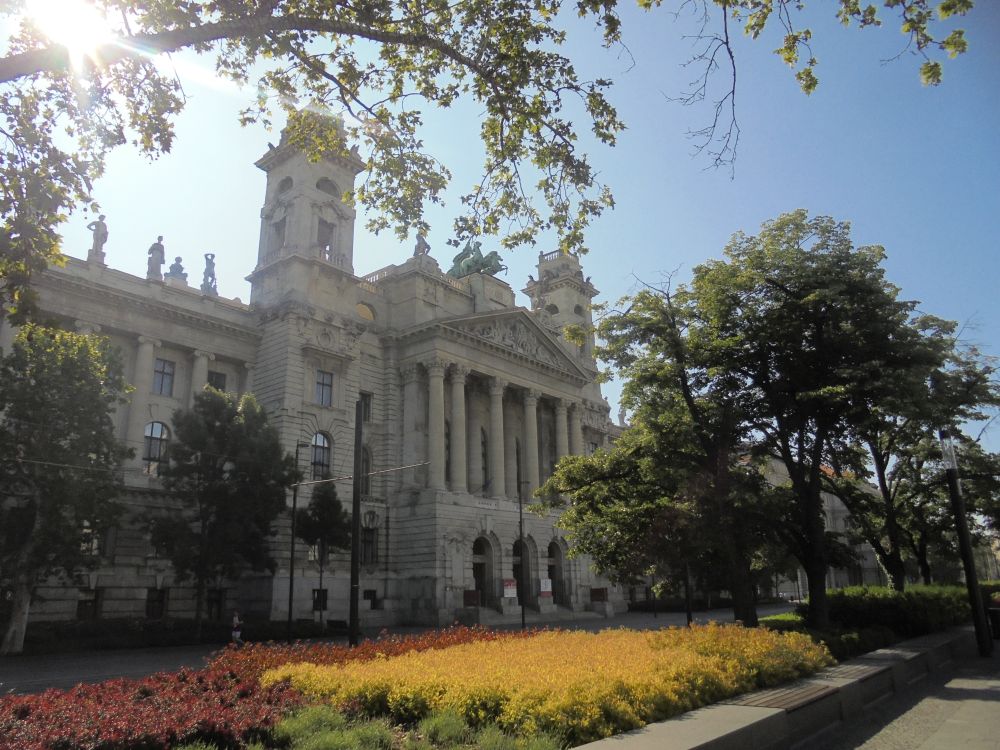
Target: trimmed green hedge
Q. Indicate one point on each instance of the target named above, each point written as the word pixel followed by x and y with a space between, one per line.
pixel 917 611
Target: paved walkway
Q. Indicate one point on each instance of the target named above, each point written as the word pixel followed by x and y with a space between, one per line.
pixel 34 673
pixel 957 708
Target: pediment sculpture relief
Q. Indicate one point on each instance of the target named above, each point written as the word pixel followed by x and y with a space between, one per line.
pixel 516 336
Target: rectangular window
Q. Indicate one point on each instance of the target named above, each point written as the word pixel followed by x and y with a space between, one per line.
pixel 366 407
pixel 217 380
pixel 163 377
pixel 319 600
pixel 369 546
pixel 215 602
pixel 156 603
pixel 90 541
pixel 324 388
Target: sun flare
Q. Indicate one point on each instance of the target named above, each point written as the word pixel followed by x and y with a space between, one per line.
pixel 75 24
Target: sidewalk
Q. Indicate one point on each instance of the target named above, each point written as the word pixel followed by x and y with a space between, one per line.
pixel 34 673
pixel 955 709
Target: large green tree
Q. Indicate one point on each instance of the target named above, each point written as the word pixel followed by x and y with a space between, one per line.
pixel 59 461
pixel 229 474
pixel 381 65
pixel 809 326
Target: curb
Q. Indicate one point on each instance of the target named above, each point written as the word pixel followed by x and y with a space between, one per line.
pixel 787 717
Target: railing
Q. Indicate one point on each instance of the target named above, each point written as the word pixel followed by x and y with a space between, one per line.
pixel 369 287
pixel 377 276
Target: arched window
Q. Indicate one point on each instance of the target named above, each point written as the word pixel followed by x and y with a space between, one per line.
pixel 321 450
pixel 366 471
pixel 326 185
pixel 485 443
pixel 365 311
pixel 552 309
pixel 285 185
pixel 369 538
pixel 578 310
pixel 154 447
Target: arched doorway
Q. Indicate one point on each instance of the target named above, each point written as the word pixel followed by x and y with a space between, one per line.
pixel 556 574
pixel 522 572
pixel 482 571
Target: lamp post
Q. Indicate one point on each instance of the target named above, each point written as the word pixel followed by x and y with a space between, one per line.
pixel 354 624
pixel 983 639
pixel 291 554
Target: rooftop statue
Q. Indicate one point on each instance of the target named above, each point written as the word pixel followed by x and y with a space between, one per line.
pixel 100 230
pixel 156 259
pixel 176 271
pixel 471 260
pixel 208 281
pixel 422 247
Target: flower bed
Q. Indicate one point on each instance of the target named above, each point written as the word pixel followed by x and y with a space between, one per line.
pixel 223 703
pixel 577 686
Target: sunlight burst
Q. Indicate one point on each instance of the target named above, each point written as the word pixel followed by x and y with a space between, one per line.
pixel 75 24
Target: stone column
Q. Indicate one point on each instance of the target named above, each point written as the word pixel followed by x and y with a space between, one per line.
pixel 497 468
pixel 435 423
pixel 199 372
pixel 576 429
pixel 530 443
pixel 510 450
pixel 248 368
pixel 562 435
pixel 412 427
pixel 459 465
pixel 142 378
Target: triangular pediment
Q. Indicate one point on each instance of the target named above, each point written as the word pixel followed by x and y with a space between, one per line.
pixel 515 332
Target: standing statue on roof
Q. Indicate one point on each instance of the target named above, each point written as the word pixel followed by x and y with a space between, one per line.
pixel 100 230
pixel 208 282
pixel 422 247
pixel 156 260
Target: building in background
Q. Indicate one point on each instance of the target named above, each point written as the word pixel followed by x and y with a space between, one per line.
pixel 478 396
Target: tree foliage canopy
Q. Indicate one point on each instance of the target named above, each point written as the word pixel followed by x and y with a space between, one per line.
pixel 379 65
pixel 229 473
pixel 59 458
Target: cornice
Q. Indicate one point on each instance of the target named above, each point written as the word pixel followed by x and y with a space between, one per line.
pixel 160 309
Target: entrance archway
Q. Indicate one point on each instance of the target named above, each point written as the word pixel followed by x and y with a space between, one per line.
pixel 482 571
pixel 522 572
pixel 556 574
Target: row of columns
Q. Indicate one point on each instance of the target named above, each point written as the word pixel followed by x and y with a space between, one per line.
pixel 569 431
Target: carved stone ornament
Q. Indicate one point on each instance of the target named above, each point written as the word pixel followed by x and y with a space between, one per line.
pixel 515 335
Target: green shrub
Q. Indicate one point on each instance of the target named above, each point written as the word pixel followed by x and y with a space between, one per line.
pixel 917 611
pixel 492 738
pixel 784 622
pixel 444 728
pixel 373 735
pixel 541 742
pixel 989 589
pixel 310 721
pixel 199 745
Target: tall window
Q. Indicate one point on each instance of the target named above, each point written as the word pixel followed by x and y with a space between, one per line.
pixel 163 377
pixel 485 443
pixel 217 380
pixel 324 388
pixel 369 538
pixel 154 447
pixel 321 446
pixel 366 407
pixel 366 471
pixel 447 451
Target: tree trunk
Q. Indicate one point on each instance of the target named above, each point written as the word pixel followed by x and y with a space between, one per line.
pixel 199 608
pixel 923 561
pixel 17 626
pixel 744 599
pixel 819 607
pixel 321 588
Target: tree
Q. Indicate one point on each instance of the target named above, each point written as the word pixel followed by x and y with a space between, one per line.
pixel 324 524
pixel 811 329
pixel 951 385
pixel 59 461
pixel 228 472
pixel 376 63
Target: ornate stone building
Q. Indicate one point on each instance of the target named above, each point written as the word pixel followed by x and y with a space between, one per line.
pixel 478 396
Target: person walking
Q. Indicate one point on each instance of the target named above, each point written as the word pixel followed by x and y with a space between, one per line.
pixel 237 629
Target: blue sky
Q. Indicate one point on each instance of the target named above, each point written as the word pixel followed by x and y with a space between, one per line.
pixel 912 168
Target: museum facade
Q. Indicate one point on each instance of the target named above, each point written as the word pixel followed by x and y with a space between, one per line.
pixel 468 401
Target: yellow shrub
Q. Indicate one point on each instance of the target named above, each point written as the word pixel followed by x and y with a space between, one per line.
pixel 580 686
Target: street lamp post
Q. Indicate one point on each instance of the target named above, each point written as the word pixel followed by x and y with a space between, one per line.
pixel 354 624
pixel 983 639
pixel 291 555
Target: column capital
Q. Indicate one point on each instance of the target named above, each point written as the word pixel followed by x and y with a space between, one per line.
pixel 460 372
pixel 150 340
pixel 497 385
pixel 530 394
pixel 435 367
pixel 409 373
pixel 562 406
pixel 86 328
pixel 207 355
